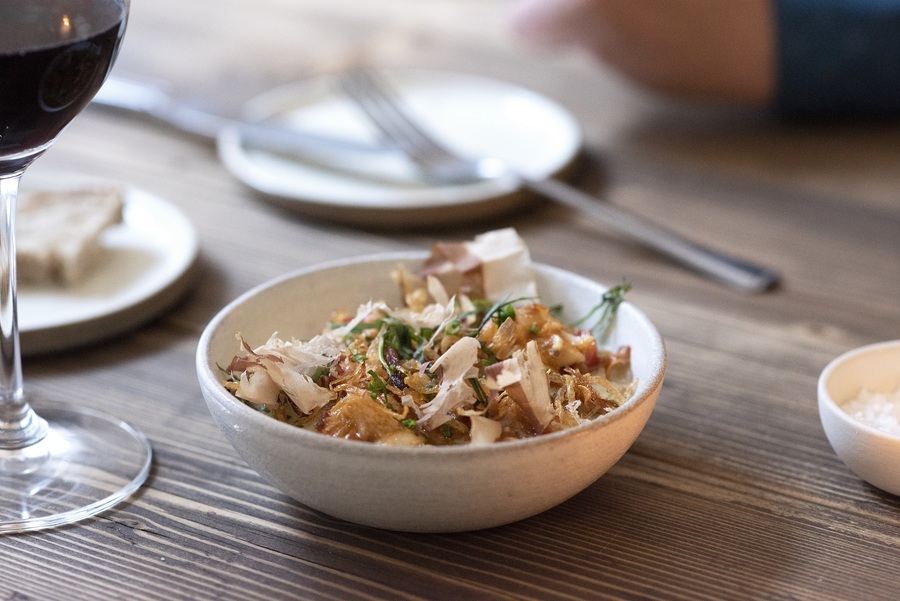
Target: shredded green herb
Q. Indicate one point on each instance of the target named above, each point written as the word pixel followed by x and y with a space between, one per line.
pixel 607 307
pixel 321 372
pixel 499 312
pixel 480 395
pixel 376 386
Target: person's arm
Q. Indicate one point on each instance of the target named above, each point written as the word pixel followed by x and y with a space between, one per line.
pixel 710 50
pixel 804 58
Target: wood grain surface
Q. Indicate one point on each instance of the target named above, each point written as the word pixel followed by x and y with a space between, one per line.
pixel 731 492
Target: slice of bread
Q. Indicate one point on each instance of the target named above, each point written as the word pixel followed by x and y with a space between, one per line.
pixel 58 233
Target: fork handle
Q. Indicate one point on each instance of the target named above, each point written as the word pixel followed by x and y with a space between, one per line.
pixel 735 272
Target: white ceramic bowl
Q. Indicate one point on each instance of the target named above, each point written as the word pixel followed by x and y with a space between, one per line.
pixel 872 454
pixel 419 489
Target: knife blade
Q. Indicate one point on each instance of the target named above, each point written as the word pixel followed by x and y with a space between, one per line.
pixel 149 100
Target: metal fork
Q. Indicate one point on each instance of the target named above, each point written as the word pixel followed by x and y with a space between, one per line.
pixel 441 166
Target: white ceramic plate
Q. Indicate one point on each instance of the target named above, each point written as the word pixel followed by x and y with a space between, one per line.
pixel 474 115
pixel 145 267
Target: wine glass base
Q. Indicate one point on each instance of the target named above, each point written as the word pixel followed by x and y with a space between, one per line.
pixel 87 463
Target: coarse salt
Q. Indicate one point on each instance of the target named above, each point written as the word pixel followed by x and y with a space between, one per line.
pixel 876 409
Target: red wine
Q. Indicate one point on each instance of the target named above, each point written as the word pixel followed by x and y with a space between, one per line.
pixel 54 56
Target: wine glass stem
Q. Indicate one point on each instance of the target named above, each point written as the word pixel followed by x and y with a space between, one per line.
pixel 20 426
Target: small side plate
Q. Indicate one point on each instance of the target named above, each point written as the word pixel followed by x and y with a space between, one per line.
pixel 144 269
pixel 473 115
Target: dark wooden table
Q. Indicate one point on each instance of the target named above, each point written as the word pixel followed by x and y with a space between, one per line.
pixel 732 490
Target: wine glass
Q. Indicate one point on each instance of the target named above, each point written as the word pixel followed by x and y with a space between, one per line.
pixel 62 463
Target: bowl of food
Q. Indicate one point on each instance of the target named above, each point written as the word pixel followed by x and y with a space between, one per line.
pixel 432 392
pixel 859 406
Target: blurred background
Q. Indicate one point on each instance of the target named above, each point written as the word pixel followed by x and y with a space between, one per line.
pixel 217 54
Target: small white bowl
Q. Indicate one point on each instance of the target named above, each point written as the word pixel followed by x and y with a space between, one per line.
pixel 417 489
pixel 871 453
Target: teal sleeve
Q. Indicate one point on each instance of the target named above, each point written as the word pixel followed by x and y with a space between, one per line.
pixel 838 58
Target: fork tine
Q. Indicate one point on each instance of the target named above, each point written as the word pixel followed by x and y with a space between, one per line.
pixel 398 127
pixel 383 108
pixel 356 86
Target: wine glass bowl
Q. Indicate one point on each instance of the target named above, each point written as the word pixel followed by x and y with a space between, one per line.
pixel 54 56
pixel 64 462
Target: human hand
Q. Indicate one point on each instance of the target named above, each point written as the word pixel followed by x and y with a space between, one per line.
pixel 710 50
